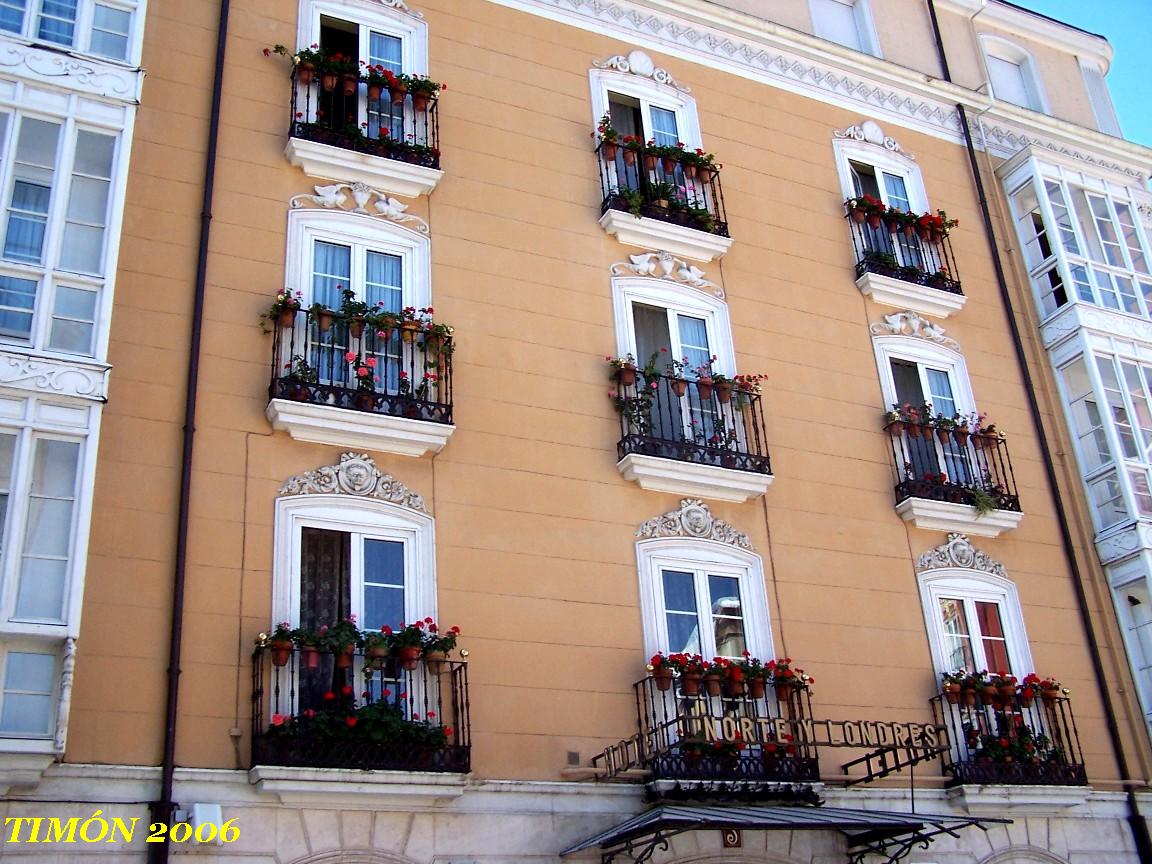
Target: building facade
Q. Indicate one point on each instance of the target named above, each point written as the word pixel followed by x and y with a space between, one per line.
pixel 540 365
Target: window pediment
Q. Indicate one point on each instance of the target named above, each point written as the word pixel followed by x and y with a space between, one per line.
pixel 641 65
pixel 693 520
pixel 662 265
pixel 959 553
pixel 355 475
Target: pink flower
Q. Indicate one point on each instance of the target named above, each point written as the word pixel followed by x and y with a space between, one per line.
pixel 370 362
pixel 278 719
pixel 350 357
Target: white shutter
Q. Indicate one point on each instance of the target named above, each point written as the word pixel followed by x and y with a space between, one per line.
pixel 836 21
pixel 1100 98
pixel 1008 83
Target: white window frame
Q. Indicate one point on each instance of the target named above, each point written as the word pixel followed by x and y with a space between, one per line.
pixel 921 352
pixel 1100 98
pixel 1010 52
pixel 354 229
pixel 679 298
pixel 412 31
pixel 82 43
pixel 850 150
pixel 962 584
pixel 356 515
pixel 655 556
pixel 25 741
pixel 865 26
pixel 649 92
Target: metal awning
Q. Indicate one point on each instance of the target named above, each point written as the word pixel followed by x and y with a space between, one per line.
pixel 869 832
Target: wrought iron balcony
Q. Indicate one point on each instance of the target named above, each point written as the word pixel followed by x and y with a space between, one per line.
pixel 669 189
pixel 905 254
pixel 315 359
pixel 372 714
pixel 1018 739
pixel 691 421
pixel 406 129
pixel 724 734
pixel 939 464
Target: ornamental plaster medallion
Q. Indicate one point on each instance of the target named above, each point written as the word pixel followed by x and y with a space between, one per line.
pixel 663 265
pixel 336 196
pixel 356 475
pixel 639 63
pixel 959 552
pixel 694 520
pixel 869 132
pixel 911 324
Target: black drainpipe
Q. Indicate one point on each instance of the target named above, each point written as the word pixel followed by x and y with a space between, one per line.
pixel 1135 820
pixel 162 810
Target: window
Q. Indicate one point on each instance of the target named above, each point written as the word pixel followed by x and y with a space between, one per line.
pixel 640 106
pixel 28 694
pixel 103 29
pixel 55 209
pixel 974 622
pixel 1012 74
pixel 1101 99
pixel 1134 604
pixel 703 597
pixel 846 22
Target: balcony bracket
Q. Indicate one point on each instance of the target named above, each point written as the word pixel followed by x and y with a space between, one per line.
pixel 358 430
pixel 932 515
pixel 688 478
pixel 909 295
pixel 328 162
pixel 648 233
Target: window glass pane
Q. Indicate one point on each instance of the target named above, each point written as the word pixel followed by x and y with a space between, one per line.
pixel 957 642
pixel 1108 236
pixel 897 192
pixel 1088 425
pixel 1108 500
pixel 31 190
pixel 1008 82
pixel 1117 409
pixel 1030 222
pixel 94 154
pixel 331 272
pixel 992 636
pixel 110 29
pixel 680 611
pixel 27 700
pixel 940 392
pixel 1131 237
pixel 1138 477
pixel 383 281
pixel 12 15
pixel 1063 217
pixel 664 128
pixel 58 21
pixel 694 340
pixel 383 584
pixel 7 451
pixel 83 246
pixel 17 300
pixel 727 615
pixel 1083 286
pixel 1087 225
pixel 386 51
pixel 73 320
pixel 48 533
pixel 835 21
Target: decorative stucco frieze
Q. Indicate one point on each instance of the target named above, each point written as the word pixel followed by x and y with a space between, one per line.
pixel 1004 140
pixel 54 377
pixel 694 520
pixel 870 132
pixel 86 76
pixel 336 197
pixel 1125 543
pixel 663 265
pixel 356 475
pixel 1106 321
pixel 639 63
pixel 400 6
pixel 959 552
pixel 911 324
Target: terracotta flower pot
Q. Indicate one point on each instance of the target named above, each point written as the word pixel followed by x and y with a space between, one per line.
pixel 324 321
pixel 734 687
pixel 894 428
pixel 435 660
pixel 1049 696
pixel 281 650
pixel 662 676
pixel 629 156
pixel 1008 691
pixel 397 94
pixel 893 225
pixel 713 684
pixel 420 102
pixel 943 434
pixel 783 691
pixel 690 683
pixel 351 83
pixel 989 694
pixel 756 688
pixel 960 435
pixel 909 231
pixel 310 654
pixel 305 72
pixel 409 330
pixel 914 430
pixel 410 657
pixel 344 657
pixel 650 163
pixel 374 91
pixel 859 215
pixel 364 400
pixel 968 694
pixel 1026 697
pixel 704 388
pixel 287 316
pixel 626 376
pixel 875 220
pixel 679 386
pixel 724 392
pixel 356 327
pixel 951 693
pixel 328 81
pixel 690 171
pixel 669 164
pixel 609 149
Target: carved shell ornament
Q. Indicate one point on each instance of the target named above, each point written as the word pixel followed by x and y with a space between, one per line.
pixel 959 553
pixel 355 475
pixel 694 520
pixel 662 265
pixel 869 132
pixel 639 63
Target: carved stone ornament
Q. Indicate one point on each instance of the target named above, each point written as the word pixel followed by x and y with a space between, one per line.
pixel 959 552
pixel 695 520
pixel 663 265
pixel 639 63
pixel 62 70
pixel 400 6
pixel 356 475
pixel 869 132
pixel 1145 211
pixel 911 324
pixel 336 197
pixel 67 673
pixel 52 376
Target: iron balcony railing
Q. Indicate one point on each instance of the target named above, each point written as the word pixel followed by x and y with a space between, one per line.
pixel 664 188
pixel 315 359
pixel 691 421
pixel 945 465
pixel 371 714
pixel 344 116
pixel 724 732
pixel 1017 739
pixel 904 254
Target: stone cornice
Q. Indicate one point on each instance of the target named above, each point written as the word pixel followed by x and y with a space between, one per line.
pixel 761 50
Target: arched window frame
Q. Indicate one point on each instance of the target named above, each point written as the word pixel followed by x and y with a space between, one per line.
pixel 970 584
pixel 723 560
pixel 353 514
pixel 850 150
pixel 409 28
pixel 1004 49
pixel 342 228
pixel 648 91
pixel 920 351
pixel 680 298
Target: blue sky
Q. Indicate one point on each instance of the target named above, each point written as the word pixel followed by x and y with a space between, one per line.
pixel 1127 24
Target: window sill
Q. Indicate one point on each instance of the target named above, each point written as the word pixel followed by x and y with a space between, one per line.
pixel 326 787
pixel 697 481
pixel 993 800
pixel 888 291
pixel 23 762
pixel 327 162
pixel 341 427
pixel 946 516
pixel 648 233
